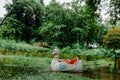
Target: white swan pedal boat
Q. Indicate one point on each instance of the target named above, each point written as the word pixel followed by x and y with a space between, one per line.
pixel 74 65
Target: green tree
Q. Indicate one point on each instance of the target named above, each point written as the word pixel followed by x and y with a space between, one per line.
pixel 63 21
pixel 30 13
pixel 114 11
pixel 92 21
pixel 78 20
pixel 52 33
pixel 112 38
pixel 55 27
pixel 12 28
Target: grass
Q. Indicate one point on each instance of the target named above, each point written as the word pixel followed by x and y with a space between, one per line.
pixel 30 68
pixel 22 61
pixel 49 76
pixel 34 68
pixel 20 46
pixel 11 47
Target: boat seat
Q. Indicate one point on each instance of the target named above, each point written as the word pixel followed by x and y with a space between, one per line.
pixel 73 61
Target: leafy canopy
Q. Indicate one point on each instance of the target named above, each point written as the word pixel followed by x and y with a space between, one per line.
pixel 112 38
pixel 12 28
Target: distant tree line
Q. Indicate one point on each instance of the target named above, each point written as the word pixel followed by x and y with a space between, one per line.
pixel 60 24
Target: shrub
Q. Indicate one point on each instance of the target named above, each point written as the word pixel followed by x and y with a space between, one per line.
pixel 15 65
pixel 12 28
pixel 112 38
pixel 20 46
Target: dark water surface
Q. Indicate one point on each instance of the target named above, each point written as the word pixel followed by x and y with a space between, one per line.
pixel 100 75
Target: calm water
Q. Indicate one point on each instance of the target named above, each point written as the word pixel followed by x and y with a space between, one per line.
pixel 100 75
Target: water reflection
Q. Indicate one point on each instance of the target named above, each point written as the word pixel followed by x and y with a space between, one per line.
pixel 100 75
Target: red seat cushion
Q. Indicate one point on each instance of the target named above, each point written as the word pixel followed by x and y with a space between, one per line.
pixel 74 60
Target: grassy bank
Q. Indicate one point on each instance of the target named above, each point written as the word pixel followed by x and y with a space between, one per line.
pixel 20 46
pixel 22 61
pixel 11 47
pixel 30 68
pixel 34 68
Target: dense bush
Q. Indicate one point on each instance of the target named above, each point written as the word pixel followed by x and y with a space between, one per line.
pixel 54 23
pixel 11 47
pixel 82 53
pixel 12 28
pixel 15 65
pixel 32 68
pixel 20 46
pixel 112 38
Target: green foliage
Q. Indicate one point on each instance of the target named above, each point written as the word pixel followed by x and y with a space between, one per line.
pixel 11 47
pixel 21 46
pixel 15 65
pixel 52 33
pixel 82 53
pixel 30 14
pixel 63 22
pixel 20 67
pixel 114 12
pixel 112 38
pixel 58 24
pixel 12 28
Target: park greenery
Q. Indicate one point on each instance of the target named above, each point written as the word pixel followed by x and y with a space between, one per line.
pixel 30 31
pixel 112 38
pixel 57 24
